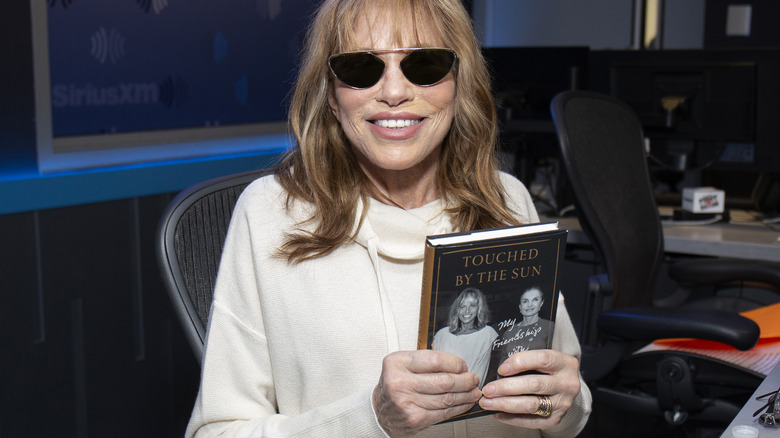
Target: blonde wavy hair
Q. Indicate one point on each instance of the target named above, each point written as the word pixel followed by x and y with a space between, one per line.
pixel 483 311
pixel 322 168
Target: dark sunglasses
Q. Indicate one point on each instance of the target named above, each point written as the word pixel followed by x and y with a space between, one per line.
pixel 422 66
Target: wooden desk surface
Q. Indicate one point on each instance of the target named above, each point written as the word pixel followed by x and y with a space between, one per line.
pixel 740 238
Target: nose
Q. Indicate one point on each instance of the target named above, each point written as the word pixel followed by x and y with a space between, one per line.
pixel 394 89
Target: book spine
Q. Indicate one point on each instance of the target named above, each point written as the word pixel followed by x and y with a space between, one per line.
pixel 425 296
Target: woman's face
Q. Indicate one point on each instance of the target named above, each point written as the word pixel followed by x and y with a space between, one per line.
pixel 531 302
pixel 467 310
pixel 424 113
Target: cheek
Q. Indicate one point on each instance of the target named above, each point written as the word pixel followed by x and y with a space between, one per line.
pixel 343 103
pixel 442 98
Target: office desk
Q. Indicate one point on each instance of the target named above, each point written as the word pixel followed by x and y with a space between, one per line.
pixel 741 240
pixel 745 416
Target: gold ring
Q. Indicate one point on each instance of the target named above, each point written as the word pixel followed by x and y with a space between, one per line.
pixel 545 406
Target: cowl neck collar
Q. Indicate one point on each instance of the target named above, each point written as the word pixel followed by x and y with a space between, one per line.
pixel 398 233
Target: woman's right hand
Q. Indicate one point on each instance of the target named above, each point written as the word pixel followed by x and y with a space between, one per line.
pixel 420 388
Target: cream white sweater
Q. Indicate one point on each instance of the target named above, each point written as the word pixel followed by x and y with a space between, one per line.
pixel 295 350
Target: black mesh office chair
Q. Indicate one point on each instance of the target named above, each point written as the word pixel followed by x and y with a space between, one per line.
pixel 602 150
pixel 190 236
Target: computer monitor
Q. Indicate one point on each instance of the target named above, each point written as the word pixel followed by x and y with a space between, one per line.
pixel 525 79
pixel 711 110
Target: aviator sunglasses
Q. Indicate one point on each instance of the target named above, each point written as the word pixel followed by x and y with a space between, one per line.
pixel 363 69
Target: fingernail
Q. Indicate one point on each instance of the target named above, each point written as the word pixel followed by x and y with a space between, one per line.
pixel 486 403
pixel 489 390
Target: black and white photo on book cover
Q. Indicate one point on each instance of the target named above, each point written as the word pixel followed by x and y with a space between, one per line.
pixel 491 299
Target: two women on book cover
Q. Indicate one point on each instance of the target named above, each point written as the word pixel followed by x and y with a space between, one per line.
pixel 484 346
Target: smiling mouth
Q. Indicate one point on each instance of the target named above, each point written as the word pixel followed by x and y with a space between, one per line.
pixel 403 123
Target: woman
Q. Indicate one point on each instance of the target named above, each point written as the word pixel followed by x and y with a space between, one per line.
pixel 314 322
pixel 468 334
pixel 532 332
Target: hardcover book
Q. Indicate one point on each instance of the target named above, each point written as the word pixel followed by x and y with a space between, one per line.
pixel 489 294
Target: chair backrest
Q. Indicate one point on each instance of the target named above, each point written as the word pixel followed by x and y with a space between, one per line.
pixel 603 153
pixel 190 236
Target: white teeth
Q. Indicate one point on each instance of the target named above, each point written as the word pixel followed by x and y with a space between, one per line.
pixel 396 123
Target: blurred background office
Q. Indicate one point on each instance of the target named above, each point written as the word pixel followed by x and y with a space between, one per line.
pixel 110 108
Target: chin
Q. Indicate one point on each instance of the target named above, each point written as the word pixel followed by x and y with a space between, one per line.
pixel 400 163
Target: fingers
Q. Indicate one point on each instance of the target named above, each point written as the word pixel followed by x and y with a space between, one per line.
pixel 528 375
pixel 429 361
pixel 400 418
pixel 420 388
pixel 544 372
pixel 428 372
pixel 435 390
pixel 445 383
pixel 542 361
pixel 526 405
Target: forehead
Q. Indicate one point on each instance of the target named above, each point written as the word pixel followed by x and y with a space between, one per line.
pixel 533 293
pixel 382 28
pixel 468 297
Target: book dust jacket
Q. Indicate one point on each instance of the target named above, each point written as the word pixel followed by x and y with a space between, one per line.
pixel 485 299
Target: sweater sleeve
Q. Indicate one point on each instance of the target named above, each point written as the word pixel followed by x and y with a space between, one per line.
pixel 237 396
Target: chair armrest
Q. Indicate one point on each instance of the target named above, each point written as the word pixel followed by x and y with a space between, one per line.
pixel 717 271
pixel 649 324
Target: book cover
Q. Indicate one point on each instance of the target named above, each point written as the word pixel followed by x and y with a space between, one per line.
pixel 488 294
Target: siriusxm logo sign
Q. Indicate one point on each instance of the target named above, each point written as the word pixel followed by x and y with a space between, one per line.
pixel 107 45
pixel 71 95
pixel 171 92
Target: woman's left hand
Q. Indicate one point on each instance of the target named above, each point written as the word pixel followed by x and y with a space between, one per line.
pixel 553 374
